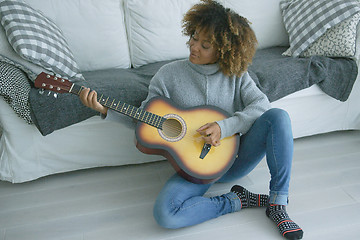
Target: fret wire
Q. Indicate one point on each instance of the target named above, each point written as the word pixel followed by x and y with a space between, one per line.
pixel 106 102
pixel 137 113
pixel 146 116
pixel 158 121
pixel 157 117
pixel 155 120
pixel 161 123
pixel 141 117
pixel 141 114
pixel 127 109
pixel 80 90
pixel 76 89
pixel 101 99
pixel 132 111
pixel 112 102
pixel 117 105
pixel 150 118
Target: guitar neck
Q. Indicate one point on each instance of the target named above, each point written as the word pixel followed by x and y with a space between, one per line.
pixel 126 109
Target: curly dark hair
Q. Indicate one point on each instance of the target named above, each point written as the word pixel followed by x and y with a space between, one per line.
pixel 230 33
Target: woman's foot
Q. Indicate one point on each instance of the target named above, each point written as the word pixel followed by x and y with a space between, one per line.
pixel 286 226
pixel 249 199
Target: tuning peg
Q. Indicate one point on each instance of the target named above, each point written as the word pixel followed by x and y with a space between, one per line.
pixel 55 95
pixel 41 91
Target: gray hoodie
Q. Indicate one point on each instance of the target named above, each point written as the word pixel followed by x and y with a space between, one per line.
pixel 191 85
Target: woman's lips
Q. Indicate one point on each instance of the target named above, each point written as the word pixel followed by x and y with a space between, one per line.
pixel 193 55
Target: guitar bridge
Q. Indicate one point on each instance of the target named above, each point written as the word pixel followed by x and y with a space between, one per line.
pixel 205 150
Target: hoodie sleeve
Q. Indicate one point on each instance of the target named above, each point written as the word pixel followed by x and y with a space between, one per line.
pixel 255 104
pixel 156 87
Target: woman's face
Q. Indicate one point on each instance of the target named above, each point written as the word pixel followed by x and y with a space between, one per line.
pixel 201 49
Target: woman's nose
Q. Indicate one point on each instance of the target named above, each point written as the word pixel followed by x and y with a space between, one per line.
pixel 194 45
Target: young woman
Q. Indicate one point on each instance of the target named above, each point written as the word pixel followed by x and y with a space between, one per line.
pixel 222 45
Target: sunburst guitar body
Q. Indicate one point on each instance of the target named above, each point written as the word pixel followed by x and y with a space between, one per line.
pixel 166 129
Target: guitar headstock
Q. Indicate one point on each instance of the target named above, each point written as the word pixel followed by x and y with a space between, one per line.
pixel 53 83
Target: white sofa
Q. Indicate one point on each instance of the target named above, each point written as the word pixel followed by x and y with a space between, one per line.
pixel 124 33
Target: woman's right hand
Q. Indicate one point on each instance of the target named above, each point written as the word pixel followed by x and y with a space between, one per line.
pixel 89 99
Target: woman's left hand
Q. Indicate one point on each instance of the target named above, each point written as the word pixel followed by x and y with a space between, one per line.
pixel 211 133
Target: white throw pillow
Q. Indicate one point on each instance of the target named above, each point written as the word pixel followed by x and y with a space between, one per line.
pixel 94 30
pixel 154 29
pixel 266 19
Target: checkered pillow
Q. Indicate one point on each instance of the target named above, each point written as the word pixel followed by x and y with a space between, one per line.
pixel 338 41
pixel 37 39
pixel 306 21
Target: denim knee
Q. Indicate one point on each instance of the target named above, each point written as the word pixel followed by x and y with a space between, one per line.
pixel 278 116
pixel 164 218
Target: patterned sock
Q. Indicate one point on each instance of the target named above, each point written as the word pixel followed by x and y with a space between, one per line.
pixel 287 227
pixel 249 199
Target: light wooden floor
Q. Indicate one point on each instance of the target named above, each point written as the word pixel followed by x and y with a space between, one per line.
pixel 116 203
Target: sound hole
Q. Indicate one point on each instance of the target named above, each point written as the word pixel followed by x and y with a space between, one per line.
pixel 172 128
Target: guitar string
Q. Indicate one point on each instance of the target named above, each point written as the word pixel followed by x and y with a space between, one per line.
pixel 177 131
pixel 172 128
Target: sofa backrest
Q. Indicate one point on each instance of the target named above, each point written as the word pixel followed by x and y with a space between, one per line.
pixel 123 33
pixel 94 30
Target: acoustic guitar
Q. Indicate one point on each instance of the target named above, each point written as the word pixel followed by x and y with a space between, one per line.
pixel 166 129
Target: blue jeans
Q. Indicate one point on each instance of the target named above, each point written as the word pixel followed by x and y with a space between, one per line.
pixel 181 203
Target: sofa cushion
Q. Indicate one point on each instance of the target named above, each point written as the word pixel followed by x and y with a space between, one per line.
pixel 154 29
pixel 266 19
pixel 155 33
pixel 37 39
pixel 94 30
pixel 306 21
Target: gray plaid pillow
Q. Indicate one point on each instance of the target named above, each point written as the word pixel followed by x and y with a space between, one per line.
pixel 37 39
pixel 338 41
pixel 306 21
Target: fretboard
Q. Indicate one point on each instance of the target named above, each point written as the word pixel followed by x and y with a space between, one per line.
pixel 126 109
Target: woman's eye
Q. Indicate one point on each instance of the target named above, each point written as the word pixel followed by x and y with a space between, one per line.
pixel 206 46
